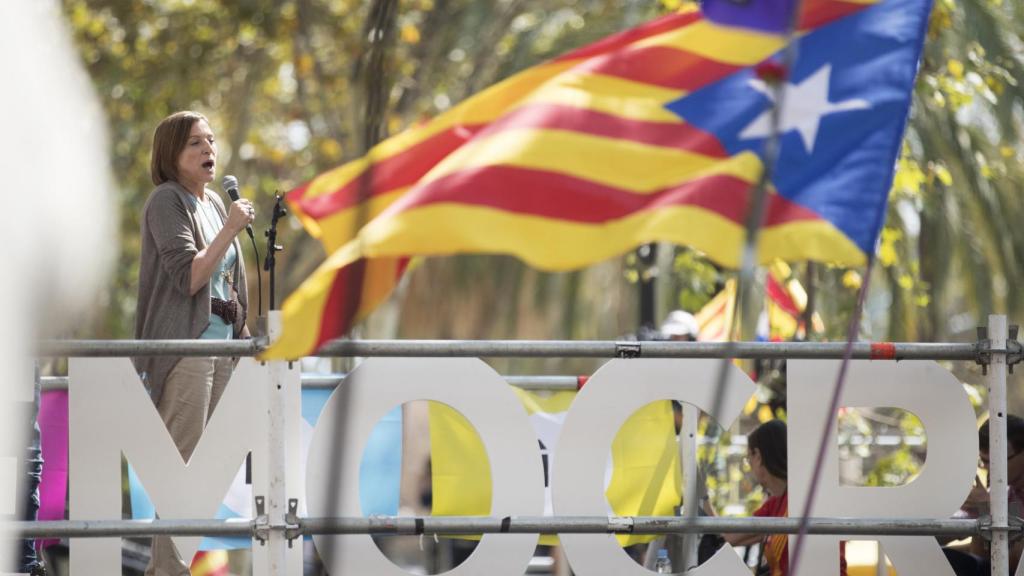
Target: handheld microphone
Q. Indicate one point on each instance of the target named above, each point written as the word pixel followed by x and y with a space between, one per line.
pixel 230 185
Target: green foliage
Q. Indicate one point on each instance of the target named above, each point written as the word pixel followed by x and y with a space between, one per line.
pixel 896 469
pixel 280 80
pixel 698 279
pixel 282 83
pixel 859 431
pixel 953 248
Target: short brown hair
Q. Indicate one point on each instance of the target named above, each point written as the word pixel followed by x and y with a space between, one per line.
pixel 1014 434
pixel 769 439
pixel 169 140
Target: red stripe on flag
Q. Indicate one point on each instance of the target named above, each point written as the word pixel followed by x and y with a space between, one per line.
pixel 295 195
pixel 342 303
pixel 561 117
pixel 622 39
pixel 403 263
pixel 410 165
pixel 659 66
pixel 559 196
pixel 817 13
pixel 398 171
pixel 781 298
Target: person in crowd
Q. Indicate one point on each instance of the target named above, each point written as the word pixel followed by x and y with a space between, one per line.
pixel 767 457
pixel 680 325
pixel 973 559
pixel 28 559
pixel 192 284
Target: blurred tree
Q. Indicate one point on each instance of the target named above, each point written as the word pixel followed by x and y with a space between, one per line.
pixel 282 84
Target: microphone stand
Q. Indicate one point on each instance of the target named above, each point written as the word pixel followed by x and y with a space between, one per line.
pixel 270 262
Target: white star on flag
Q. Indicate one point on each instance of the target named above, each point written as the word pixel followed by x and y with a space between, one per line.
pixel 804 105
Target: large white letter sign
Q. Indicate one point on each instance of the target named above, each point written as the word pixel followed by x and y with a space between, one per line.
pixel 470 387
pixel 110 412
pixel 616 391
pixel 922 388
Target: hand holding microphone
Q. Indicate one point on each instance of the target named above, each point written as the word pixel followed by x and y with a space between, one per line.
pixel 241 210
pixel 242 213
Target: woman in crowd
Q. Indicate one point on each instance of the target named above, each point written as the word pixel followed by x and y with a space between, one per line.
pixel 767 456
pixel 191 285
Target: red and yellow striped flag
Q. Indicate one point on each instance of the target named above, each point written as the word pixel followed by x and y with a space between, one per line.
pixel 210 563
pixel 784 303
pixel 562 165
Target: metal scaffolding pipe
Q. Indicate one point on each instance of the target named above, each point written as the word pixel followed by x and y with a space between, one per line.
pixel 636 525
pixel 331 381
pixel 522 349
pixel 131 348
pixel 119 528
pixel 441 525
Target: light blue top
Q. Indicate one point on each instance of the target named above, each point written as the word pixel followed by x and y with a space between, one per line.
pixel 211 224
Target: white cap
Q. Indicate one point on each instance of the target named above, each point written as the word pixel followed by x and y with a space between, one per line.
pixel 680 323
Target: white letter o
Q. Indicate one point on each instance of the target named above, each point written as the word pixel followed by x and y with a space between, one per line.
pixel 470 387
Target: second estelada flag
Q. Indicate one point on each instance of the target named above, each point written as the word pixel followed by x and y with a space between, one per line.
pixel 650 135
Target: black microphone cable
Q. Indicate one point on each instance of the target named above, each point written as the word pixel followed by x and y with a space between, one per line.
pixel 230 185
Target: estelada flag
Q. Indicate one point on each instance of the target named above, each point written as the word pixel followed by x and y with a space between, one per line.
pixel 650 135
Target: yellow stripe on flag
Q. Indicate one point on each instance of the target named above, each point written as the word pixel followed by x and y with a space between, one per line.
pixel 623 164
pixel 480 108
pixel 715 317
pixel 608 94
pixel 737 46
pixel 487 230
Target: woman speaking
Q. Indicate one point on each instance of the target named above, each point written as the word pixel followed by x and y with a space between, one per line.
pixel 191 285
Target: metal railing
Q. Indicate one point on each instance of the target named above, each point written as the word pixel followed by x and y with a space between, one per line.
pixel 331 381
pixel 527 349
pixel 465 525
pixel 994 351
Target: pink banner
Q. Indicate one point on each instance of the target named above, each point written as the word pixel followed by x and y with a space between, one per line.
pixel 53 428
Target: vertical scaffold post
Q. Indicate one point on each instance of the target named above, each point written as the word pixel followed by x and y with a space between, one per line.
pixel 277 497
pixel 998 491
pixel 692 487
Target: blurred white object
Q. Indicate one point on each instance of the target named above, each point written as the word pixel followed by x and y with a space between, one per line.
pixel 57 198
pixel 678 324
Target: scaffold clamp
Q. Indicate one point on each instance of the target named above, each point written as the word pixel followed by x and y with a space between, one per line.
pixel 620 525
pixel 983 349
pixel 1014 527
pixel 261 528
pixel 292 524
pixel 627 350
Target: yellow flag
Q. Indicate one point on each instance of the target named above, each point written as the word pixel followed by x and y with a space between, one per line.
pixel 645 475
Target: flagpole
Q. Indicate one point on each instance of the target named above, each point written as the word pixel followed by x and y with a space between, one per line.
pixel 370 73
pixel 809 307
pixel 647 257
pixel 775 77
